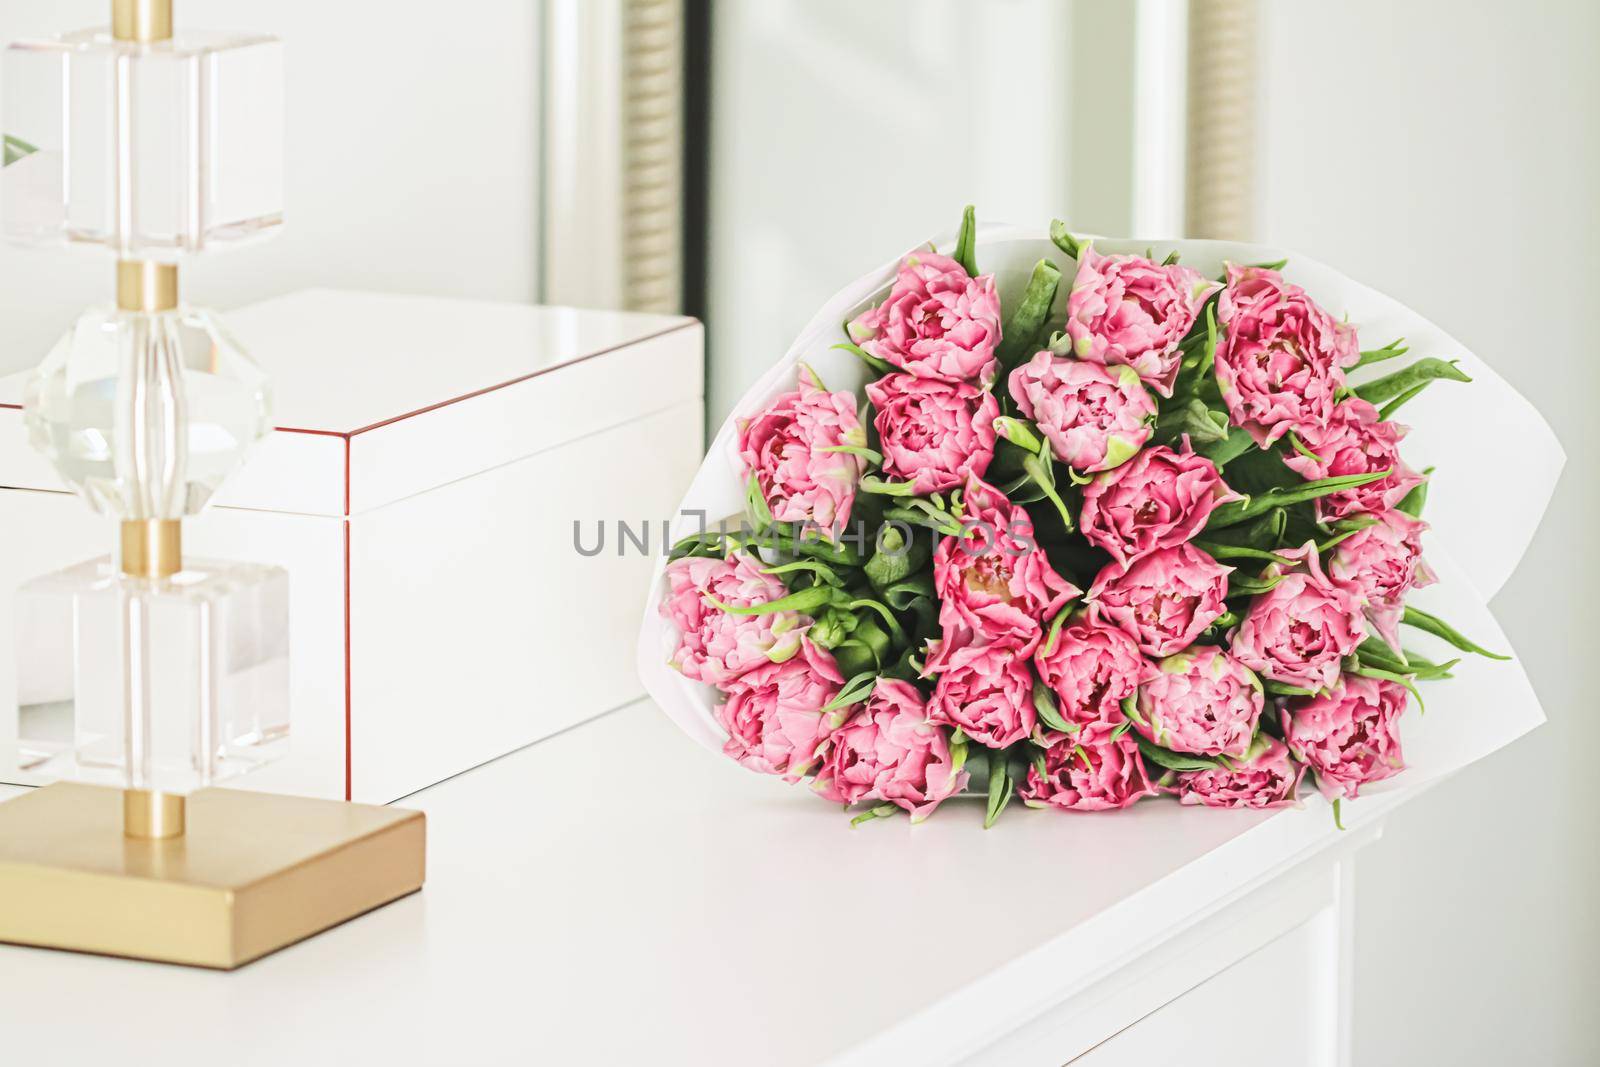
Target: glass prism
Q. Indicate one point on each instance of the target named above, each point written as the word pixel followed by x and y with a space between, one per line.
pixel 145 414
pixel 151 150
pixel 169 684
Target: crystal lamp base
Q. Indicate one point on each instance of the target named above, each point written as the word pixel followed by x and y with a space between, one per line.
pixel 172 683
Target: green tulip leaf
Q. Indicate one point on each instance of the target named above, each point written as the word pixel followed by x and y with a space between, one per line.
pixel 1239 510
pixel 1000 788
pixel 967 242
pixel 879 366
pixel 1175 761
pixel 1436 626
pixel 1413 502
pixel 1020 338
pixel 1391 350
pixel 1044 702
pixel 1064 240
pixel 1410 378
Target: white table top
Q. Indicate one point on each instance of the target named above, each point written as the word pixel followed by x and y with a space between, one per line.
pixel 617 894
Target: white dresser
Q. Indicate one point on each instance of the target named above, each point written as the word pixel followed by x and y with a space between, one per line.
pixel 617 895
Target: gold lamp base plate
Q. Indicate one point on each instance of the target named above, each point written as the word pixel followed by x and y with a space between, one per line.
pixel 255 872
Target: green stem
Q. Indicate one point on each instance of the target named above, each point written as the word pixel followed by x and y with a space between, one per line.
pixel 1217 550
pixel 882 811
pixel 1436 626
pixel 806 601
pixel 895 631
pixel 1038 469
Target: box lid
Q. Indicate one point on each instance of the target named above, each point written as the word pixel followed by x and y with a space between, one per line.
pixel 378 396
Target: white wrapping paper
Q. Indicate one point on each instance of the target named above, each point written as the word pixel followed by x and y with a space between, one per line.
pixel 1461 429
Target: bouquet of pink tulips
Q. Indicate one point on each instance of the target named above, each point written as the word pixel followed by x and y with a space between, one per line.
pixel 1132 536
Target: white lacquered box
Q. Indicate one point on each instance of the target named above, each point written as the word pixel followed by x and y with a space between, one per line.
pixel 437 466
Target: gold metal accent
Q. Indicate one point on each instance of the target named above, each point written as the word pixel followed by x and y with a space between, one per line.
pixel 255 872
pixel 152 548
pixel 144 21
pixel 143 285
pixel 148 816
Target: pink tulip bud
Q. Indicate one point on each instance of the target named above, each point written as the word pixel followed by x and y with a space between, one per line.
pixel 1355 441
pixel 1281 358
pixel 1201 701
pixel 1094 417
pixel 1350 735
pixel 1299 630
pixel 1095 769
pixel 1265 778
pixel 774 715
pixel 1158 499
pixel 888 751
pixel 714 646
pixel 935 434
pixel 937 322
pixel 1164 600
pixel 786 449
pixel 1129 311
pixel 993 580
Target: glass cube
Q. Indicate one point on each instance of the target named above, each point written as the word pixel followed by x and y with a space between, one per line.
pixel 172 684
pixel 145 414
pixel 153 151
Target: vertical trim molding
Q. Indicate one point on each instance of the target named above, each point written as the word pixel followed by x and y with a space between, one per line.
pixel 613 154
pixel 1160 117
pixel 652 154
pixel 1222 118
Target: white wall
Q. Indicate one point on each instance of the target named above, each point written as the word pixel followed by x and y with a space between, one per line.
pixel 844 133
pixel 1449 154
pixel 413 151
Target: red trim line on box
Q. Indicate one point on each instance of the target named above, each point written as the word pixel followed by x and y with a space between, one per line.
pixel 347 434
pixel 348 781
pixel 319 433
pixel 280 429
pixel 684 325
pixel 347 477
